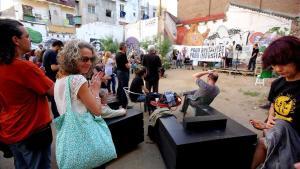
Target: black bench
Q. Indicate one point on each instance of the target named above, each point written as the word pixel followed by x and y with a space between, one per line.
pixel 127 131
pixel 231 147
pixel 113 102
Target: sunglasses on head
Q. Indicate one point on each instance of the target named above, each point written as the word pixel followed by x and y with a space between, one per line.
pixel 86 59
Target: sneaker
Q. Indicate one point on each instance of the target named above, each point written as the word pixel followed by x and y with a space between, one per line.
pixel 7 154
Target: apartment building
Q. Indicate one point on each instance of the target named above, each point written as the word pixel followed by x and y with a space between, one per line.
pixel 118 12
pixel 52 18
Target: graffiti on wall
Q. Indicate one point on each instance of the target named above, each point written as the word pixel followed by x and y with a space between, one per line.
pixel 193 37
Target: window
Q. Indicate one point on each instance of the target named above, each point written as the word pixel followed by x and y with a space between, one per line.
pixel 133 13
pixel 142 12
pixel 55 12
pixel 38 16
pixel 154 12
pixel 108 13
pixel 122 11
pixel 122 7
pixel 70 19
pixel 27 10
pixel 91 9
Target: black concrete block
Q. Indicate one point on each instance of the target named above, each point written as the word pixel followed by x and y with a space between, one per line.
pixel 127 131
pixel 231 147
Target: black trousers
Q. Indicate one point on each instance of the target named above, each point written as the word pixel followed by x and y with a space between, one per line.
pixel 186 104
pixel 251 65
pixel 123 80
pixel 152 84
pixel 53 106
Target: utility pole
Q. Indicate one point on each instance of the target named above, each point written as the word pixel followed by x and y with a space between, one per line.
pixel 260 3
pixel 160 9
pixel 209 7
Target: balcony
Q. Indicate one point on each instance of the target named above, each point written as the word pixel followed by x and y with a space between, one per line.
pixel 122 14
pixel 61 29
pixel 29 18
pixel 77 20
pixel 144 17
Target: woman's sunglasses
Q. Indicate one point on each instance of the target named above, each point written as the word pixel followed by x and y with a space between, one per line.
pixel 86 59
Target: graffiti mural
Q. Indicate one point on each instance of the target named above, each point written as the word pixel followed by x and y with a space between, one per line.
pixel 133 45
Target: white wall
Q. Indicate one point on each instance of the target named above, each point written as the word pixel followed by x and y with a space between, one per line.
pixel 99 30
pixel 143 29
pixel 5 4
pixel 246 21
pixel 254 21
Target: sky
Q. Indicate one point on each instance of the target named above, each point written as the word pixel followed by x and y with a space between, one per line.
pixel 171 6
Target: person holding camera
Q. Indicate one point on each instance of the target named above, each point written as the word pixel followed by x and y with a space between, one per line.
pixel 206 92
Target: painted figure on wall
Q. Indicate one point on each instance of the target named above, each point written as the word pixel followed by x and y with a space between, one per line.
pixel 193 37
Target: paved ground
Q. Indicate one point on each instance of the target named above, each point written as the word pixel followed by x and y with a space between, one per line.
pixel 239 99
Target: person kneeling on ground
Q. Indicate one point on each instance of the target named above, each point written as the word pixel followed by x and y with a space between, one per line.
pixel 205 94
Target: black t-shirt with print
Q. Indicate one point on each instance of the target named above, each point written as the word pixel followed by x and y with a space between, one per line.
pixel 136 87
pixel 285 95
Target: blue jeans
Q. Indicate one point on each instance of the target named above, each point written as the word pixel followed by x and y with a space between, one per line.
pixel 141 98
pixel 113 82
pixel 31 159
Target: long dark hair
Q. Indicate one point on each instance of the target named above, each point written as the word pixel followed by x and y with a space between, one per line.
pixel 8 29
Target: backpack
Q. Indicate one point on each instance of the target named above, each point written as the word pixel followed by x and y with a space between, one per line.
pixel 169 98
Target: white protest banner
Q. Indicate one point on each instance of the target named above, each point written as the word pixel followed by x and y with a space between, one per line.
pixel 202 53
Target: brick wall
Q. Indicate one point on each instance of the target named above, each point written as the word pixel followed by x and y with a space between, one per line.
pixel 190 9
pixel 285 7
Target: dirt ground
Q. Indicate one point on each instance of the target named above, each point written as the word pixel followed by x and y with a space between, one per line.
pixel 239 99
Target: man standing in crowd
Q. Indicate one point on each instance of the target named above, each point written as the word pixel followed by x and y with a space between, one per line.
pixel 252 61
pixel 24 112
pixel 205 94
pixel 51 68
pixel 123 67
pixel 152 63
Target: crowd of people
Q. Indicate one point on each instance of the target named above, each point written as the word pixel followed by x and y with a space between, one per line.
pixel 29 79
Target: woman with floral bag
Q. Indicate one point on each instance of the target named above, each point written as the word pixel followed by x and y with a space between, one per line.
pixel 83 138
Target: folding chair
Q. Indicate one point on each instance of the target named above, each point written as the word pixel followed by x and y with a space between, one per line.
pixel 128 92
pixel 260 79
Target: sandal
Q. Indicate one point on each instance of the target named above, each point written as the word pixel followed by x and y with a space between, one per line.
pixel 258 124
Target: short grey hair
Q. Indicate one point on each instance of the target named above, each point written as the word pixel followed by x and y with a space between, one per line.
pixel 151 49
pixel 70 55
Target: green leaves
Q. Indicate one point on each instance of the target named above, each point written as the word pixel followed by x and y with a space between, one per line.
pixel 109 44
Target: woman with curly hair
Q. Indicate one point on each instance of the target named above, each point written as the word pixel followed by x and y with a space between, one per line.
pixel 77 59
pixel 77 100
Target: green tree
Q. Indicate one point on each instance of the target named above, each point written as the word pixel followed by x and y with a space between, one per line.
pixel 164 47
pixel 109 44
pixel 145 43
